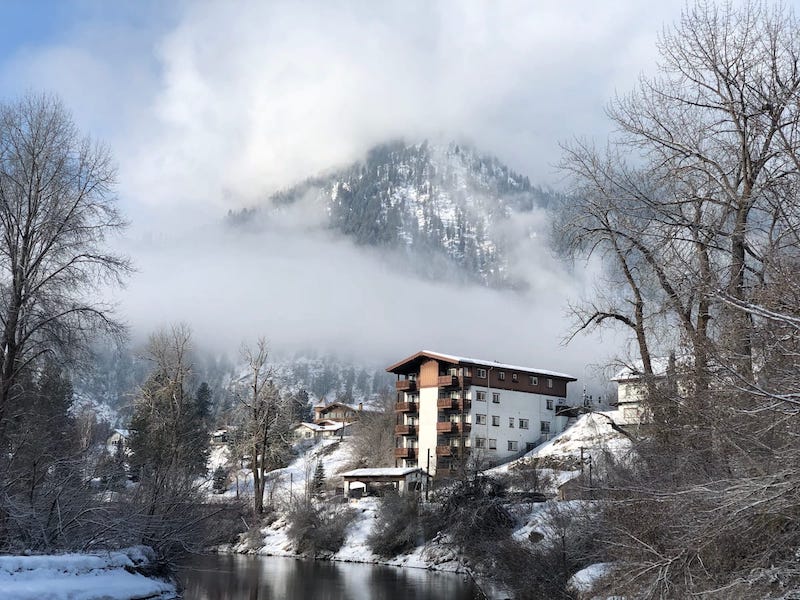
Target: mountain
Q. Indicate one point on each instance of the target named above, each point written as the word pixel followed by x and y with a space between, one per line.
pixel 445 207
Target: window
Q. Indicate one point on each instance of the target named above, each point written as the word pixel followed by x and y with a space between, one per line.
pixel 512 446
pixel 523 423
pixel 481 373
pixel 492 444
pixel 480 419
pixel 495 397
pixel 481 396
pixel 549 404
pixel 511 422
pixel 480 442
pixel 545 427
pixel 514 377
pixel 501 375
pixel 533 380
pixel 495 421
pixel 467 372
pixel 550 383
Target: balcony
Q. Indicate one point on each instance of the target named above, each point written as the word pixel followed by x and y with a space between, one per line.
pixel 447 381
pixel 446 451
pixel 405 385
pixel 405 452
pixel 452 427
pixel 402 429
pixel 405 407
pixel 454 381
pixel 452 403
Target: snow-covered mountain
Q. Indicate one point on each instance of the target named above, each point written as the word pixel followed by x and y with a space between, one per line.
pixel 444 206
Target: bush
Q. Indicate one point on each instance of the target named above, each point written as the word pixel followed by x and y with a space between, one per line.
pixel 316 527
pixel 398 528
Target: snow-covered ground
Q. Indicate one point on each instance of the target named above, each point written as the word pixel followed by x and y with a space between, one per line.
pixel 106 576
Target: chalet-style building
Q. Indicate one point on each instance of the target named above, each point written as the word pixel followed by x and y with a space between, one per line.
pixel 450 407
pixel 323 429
pixel 337 411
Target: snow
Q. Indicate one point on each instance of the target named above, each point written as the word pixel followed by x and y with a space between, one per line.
pixel 80 577
pixel 385 472
pixel 592 432
pixel 497 365
pixel 582 581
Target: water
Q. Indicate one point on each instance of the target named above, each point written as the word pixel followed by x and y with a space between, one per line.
pixel 234 577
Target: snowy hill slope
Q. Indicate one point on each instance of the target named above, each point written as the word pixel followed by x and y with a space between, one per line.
pixel 448 204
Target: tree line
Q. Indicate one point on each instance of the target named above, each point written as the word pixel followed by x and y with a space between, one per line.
pixel 693 207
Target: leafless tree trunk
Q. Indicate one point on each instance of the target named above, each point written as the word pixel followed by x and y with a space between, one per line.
pixel 57 207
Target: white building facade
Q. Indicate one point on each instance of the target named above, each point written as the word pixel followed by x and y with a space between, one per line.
pixel 451 409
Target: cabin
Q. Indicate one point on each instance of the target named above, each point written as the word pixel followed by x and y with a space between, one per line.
pixel 368 482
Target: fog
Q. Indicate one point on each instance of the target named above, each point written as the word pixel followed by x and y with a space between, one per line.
pixel 211 106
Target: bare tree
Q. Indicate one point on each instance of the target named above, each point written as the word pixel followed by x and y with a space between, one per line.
pixel 57 208
pixel 695 203
pixel 264 431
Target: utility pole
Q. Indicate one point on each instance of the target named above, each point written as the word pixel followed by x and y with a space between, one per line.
pixel 428 475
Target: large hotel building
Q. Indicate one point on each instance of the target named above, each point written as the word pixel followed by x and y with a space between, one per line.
pixel 450 408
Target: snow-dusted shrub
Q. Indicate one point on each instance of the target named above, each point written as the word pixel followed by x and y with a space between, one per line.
pixel 398 528
pixel 318 527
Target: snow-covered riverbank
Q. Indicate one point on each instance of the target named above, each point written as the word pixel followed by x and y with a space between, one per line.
pixel 106 576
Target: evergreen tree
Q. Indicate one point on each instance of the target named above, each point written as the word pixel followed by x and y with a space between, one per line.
pixel 318 484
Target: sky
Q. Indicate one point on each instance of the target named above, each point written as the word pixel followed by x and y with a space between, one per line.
pixel 211 106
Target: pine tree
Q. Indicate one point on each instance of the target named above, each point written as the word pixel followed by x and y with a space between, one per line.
pixel 318 485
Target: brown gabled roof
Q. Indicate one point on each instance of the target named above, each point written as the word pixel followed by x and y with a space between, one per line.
pixel 411 364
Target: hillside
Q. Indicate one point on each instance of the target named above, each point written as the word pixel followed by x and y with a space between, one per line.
pixel 448 207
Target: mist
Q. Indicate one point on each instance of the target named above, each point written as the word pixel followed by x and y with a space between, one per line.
pixel 213 106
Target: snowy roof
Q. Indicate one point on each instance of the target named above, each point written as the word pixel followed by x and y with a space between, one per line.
pixel 123 432
pixel 333 404
pixel 477 361
pixel 385 472
pixel 328 426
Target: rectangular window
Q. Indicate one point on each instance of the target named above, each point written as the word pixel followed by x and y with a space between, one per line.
pixel 514 377
pixel 512 446
pixel 545 427
pixel 481 396
pixel 523 423
pixel 481 373
pixel 480 442
pixel 480 419
pixel 533 380
pixel 495 397
pixel 495 420
pixel 501 375
pixel 549 404
pixel 550 383
pixel 492 444
pixel 467 372
pixel 511 422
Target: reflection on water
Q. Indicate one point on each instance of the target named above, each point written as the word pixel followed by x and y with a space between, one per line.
pixel 231 577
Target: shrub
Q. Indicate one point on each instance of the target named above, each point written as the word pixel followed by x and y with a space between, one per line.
pixel 398 528
pixel 316 527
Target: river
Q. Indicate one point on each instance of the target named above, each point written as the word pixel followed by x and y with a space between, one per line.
pixel 235 577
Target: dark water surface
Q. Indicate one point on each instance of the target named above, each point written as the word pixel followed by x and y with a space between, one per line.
pixel 231 577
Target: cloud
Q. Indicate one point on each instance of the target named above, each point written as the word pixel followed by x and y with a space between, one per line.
pixel 213 105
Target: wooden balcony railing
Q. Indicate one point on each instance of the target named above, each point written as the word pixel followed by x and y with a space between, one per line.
pixel 454 381
pixel 453 403
pixel 402 429
pixel 405 385
pixel 406 407
pixel 452 427
pixel 405 452
pixel 446 451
